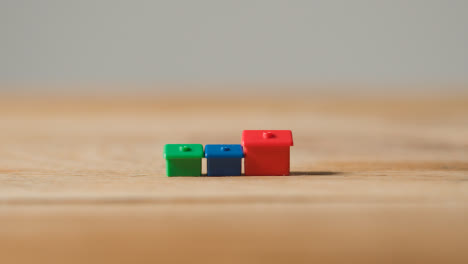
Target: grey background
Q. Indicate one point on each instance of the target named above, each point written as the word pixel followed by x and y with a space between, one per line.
pixel 266 41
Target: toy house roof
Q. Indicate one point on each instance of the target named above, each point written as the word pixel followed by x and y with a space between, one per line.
pixel 183 151
pixel 224 151
pixel 267 138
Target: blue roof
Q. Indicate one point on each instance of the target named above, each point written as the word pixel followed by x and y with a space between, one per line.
pixel 224 151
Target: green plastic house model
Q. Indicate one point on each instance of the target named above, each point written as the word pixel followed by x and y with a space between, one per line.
pixel 183 159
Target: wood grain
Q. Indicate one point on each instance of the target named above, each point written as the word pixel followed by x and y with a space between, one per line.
pixel 375 179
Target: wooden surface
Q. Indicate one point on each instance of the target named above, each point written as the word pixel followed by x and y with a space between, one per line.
pixel 374 179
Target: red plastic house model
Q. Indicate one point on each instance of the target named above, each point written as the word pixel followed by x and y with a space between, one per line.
pixel 266 152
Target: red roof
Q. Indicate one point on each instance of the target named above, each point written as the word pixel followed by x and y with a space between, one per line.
pixel 267 138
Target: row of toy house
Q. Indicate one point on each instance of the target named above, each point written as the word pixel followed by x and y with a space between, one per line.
pixel 265 152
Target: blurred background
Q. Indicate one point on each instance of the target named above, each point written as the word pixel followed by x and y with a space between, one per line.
pixel 132 46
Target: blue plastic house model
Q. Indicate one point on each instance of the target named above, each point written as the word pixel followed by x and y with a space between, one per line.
pixel 224 160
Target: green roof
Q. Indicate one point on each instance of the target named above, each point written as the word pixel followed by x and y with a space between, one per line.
pixel 183 151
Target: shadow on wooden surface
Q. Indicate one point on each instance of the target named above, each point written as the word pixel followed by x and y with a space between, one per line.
pixel 314 173
pixel 292 173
